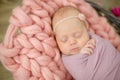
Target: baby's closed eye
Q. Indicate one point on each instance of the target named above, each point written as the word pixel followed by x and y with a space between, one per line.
pixel 77 35
pixel 63 39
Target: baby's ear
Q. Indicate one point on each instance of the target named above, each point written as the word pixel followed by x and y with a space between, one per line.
pixel 87 25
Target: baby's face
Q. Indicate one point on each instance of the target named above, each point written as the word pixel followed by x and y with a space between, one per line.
pixel 71 36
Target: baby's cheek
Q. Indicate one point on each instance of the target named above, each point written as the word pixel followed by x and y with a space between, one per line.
pixel 81 43
pixel 60 46
pixel 63 48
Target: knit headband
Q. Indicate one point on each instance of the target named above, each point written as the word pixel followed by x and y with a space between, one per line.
pixel 80 16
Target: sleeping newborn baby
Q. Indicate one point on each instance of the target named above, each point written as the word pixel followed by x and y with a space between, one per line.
pixel 85 55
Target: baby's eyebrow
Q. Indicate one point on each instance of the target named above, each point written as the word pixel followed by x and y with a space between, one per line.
pixel 62 36
pixel 77 32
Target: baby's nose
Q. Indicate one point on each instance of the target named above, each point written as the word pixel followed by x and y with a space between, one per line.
pixel 73 41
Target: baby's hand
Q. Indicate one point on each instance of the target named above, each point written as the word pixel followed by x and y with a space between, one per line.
pixel 88 48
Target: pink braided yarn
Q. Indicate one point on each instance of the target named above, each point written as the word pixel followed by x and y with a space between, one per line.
pixel 29 50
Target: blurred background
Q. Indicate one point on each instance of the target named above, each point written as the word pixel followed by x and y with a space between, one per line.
pixel 6 7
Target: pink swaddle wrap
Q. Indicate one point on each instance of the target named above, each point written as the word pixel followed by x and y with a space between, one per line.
pixel 29 49
pixel 103 64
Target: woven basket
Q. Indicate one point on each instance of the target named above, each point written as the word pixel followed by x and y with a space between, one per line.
pixel 113 20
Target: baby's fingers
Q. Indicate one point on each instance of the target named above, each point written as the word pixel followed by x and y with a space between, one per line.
pixel 90 46
pixel 87 50
pixel 91 43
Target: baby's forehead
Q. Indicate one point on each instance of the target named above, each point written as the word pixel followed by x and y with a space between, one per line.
pixel 72 24
pixel 64 12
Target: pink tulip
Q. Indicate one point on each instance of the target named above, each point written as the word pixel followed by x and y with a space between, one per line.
pixel 116 11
